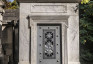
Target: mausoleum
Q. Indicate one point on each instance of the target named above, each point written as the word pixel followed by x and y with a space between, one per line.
pixel 49 32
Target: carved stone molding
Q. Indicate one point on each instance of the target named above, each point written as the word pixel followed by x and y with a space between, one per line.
pixel 34 20
pixel 48 8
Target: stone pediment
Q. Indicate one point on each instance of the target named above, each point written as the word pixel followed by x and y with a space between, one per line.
pixel 49 1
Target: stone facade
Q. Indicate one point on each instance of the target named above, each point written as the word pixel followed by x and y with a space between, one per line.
pixel 66 14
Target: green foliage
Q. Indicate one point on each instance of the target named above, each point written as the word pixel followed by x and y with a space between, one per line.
pixel 86 23
pixel 86 32
pixel 85 1
pixel 86 56
pixel 11 5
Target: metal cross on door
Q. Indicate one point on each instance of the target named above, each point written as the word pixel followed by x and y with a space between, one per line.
pixel 48 44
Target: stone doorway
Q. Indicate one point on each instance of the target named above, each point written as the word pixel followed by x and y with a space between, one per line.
pixel 48 44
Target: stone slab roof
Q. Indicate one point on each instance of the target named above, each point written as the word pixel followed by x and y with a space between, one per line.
pixel 11 14
pixel 49 1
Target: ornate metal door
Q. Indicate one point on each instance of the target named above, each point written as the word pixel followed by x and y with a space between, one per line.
pixel 48 44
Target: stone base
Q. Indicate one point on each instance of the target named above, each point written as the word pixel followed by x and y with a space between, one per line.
pixel 23 62
pixel 73 62
pixel 27 62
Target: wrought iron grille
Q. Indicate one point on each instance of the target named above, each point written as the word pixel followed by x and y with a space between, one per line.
pixel 48 44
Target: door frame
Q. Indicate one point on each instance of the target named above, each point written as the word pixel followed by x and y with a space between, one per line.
pixel 50 19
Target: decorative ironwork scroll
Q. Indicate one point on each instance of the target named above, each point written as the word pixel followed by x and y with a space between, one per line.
pixel 49 43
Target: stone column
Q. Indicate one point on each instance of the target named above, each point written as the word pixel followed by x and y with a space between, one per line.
pixel 1 18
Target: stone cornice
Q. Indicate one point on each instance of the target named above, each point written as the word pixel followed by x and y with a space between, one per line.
pixel 49 1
